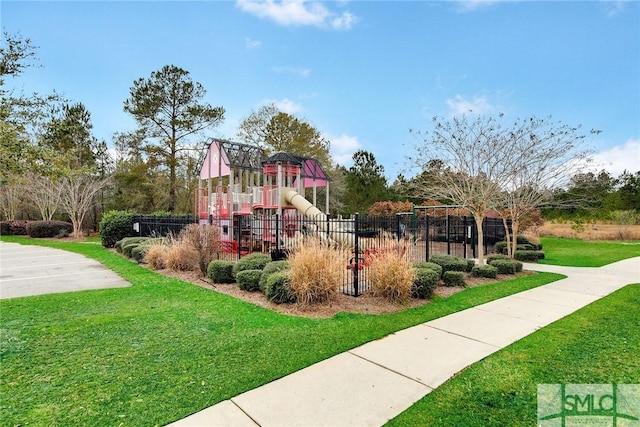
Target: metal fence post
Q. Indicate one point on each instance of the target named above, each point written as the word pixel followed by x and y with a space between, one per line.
pixel 427 237
pixel 356 255
pixel 448 234
pixel 464 237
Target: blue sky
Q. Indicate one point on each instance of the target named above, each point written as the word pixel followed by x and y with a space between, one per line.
pixel 362 72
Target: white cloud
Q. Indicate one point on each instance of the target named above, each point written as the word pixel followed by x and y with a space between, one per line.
pixel 252 44
pixel 343 147
pixel 285 105
pixel 613 8
pixel 297 12
pixel 471 5
pixel 619 158
pixel 478 105
pixel 301 72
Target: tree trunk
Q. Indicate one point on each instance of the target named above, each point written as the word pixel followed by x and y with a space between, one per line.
pixel 514 234
pixel 479 220
pixel 507 235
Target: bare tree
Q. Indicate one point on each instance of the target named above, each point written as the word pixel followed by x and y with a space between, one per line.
pixel 477 159
pixel 78 191
pixel 43 194
pixel 547 155
pixel 11 195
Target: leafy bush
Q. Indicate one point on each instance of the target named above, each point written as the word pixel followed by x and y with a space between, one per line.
pixel 429 265
pixel 425 282
pixel 453 278
pixel 391 275
pixel 138 253
pixel 271 268
pixel 221 271
pixel 114 226
pixel 487 271
pixel 277 288
pixel 316 271
pixel 120 244
pixel 450 263
pixel 128 244
pixel 470 264
pixel 528 256
pixel 249 280
pixel 500 247
pixel 494 257
pixel 254 261
pixel 13 228
pixel 506 266
pixel 49 228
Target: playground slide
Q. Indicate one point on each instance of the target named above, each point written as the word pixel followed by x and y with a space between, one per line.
pixel 305 207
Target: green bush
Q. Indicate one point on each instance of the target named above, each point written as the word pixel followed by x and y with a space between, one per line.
pixel 528 256
pixel 249 280
pixel 453 278
pixel 138 252
pixel 470 264
pixel 494 257
pixel 114 226
pixel 254 261
pixel 120 244
pixel 500 247
pixel 39 229
pixel 277 288
pixel 220 271
pixel 271 268
pixel 129 247
pixel 450 263
pixel 487 271
pixel 506 266
pixel 424 284
pixel 429 265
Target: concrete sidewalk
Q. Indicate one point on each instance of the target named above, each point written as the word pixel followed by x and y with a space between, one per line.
pixel 27 270
pixel 371 384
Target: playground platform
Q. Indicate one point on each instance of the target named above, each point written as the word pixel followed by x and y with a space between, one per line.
pixel 373 383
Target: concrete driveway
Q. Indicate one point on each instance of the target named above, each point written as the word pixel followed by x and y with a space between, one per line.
pixel 27 270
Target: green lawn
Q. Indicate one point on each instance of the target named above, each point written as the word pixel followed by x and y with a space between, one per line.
pixel 583 253
pixel 598 344
pixel 162 349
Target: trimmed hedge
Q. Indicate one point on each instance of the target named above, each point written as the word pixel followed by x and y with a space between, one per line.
pixel 453 278
pixel 429 265
pixel 506 266
pixel 38 229
pixel 450 263
pixel 13 228
pixel 249 280
pixel 528 256
pixel 271 268
pixel 254 261
pixel 486 271
pixel 494 257
pixel 114 226
pixel 221 271
pixel 424 284
pixel 277 288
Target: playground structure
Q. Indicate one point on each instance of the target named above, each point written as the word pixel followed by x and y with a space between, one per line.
pixel 257 200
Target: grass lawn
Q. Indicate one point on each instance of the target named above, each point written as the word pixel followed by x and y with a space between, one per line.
pixel 162 349
pixel 598 344
pixel 583 253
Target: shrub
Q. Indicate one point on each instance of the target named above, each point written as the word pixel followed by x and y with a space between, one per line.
pixel 156 256
pixel 48 228
pixel 450 263
pixel 391 275
pixel 487 271
pixel 316 271
pixel 494 257
pixel 13 228
pixel 429 265
pixel 527 256
pixel 114 226
pixel 425 282
pixel 453 278
pixel 182 257
pixel 205 240
pixel 249 280
pixel 128 245
pixel 221 271
pixel 277 288
pixel 470 264
pixel 500 247
pixel 271 268
pixel 138 253
pixel 254 261
pixel 505 266
pixel 120 244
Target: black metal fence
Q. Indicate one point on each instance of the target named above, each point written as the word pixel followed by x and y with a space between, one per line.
pixel 418 237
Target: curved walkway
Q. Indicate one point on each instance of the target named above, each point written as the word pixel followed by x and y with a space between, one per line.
pixel 27 270
pixel 371 384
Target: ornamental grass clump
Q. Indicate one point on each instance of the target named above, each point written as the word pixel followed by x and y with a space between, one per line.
pixel 205 240
pixel 391 275
pixel 156 255
pixel 182 256
pixel 316 270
